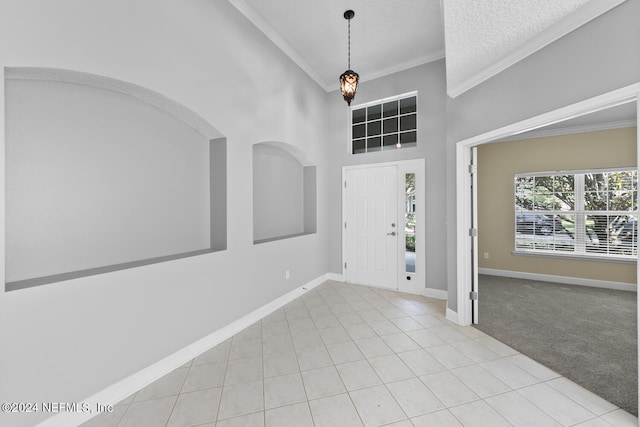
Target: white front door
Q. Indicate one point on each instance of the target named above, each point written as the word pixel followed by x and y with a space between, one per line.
pixel 371 226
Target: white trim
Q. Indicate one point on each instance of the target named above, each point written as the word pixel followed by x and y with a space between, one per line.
pixel 614 98
pixel 387 99
pixel 638 263
pixel 571 22
pixel 545 133
pixel 630 259
pixel 417 284
pixel 463 242
pixel 268 30
pixel 597 103
pixel 273 35
pixel 574 171
pixel 426 292
pixel 453 316
pixel 120 390
pixel 403 166
pixel 473 204
pixel 335 277
pixel 580 211
pixel 396 68
pixel 399 115
pixel 406 164
pixel 436 293
pixel 560 279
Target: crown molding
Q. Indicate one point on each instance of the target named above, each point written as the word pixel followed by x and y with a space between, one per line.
pixel 273 35
pixel 571 130
pixel 586 13
pixel 425 59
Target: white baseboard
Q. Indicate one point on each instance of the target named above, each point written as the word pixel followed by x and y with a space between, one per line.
pixel 427 292
pixel 118 391
pixel 559 279
pixel 452 316
pixel 436 293
pixel 335 277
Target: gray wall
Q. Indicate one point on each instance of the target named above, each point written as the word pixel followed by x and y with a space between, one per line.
pixel 65 341
pixel 278 193
pixel 429 81
pixel 204 55
pixel 598 57
pixel 97 178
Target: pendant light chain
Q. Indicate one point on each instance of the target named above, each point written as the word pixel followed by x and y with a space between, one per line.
pixel 349 44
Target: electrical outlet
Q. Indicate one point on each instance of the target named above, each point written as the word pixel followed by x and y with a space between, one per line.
pixel 287 274
pixel 486 255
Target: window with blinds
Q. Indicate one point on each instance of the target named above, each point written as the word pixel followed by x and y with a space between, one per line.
pixel 387 124
pixel 586 213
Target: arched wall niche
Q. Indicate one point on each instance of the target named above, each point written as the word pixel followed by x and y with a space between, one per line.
pixel 103 175
pixel 153 98
pixel 284 192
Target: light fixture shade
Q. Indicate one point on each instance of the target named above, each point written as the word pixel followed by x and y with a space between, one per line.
pixel 349 85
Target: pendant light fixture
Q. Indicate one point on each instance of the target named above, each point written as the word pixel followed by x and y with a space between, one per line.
pixel 349 79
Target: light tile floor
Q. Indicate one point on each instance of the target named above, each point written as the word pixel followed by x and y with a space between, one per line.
pixel 346 355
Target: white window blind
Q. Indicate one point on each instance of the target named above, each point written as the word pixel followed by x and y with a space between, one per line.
pixel 586 213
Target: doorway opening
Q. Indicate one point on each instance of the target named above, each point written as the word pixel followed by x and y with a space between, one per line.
pixel 467 255
pixel 383 225
pixel 466 204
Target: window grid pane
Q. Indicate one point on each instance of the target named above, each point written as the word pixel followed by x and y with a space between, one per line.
pixel 547 219
pixel 386 125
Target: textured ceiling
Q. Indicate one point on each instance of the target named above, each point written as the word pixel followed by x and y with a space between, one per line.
pixel 481 33
pixel 482 38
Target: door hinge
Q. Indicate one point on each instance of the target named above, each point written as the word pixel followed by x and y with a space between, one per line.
pixel 473 295
pixel 473 169
pixel 345 265
pixel 345 224
pixel 473 232
pixel 345 184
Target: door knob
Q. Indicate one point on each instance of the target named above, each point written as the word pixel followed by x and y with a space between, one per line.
pixel 393 233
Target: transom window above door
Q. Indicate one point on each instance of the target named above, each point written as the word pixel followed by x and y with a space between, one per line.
pixel 386 124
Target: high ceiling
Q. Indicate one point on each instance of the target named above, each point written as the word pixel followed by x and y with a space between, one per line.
pixel 478 38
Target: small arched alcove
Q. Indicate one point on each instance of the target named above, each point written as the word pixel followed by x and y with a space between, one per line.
pixel 103 175
pixel 284 192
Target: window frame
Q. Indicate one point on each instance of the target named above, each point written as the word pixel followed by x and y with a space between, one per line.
pixel 580 212
pixel 381 102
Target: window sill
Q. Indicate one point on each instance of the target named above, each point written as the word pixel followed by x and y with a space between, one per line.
pixel 573 256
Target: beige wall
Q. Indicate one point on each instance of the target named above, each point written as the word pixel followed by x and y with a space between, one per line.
pixel 497 165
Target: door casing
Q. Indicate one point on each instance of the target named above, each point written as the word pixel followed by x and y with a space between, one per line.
pixel 414 283
pixel 464 200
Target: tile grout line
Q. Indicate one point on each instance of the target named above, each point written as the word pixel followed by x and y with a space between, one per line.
pixel 184 380
pixel 335 366
pixel 348 297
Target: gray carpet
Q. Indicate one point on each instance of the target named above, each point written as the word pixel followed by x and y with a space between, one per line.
pixel 586 334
